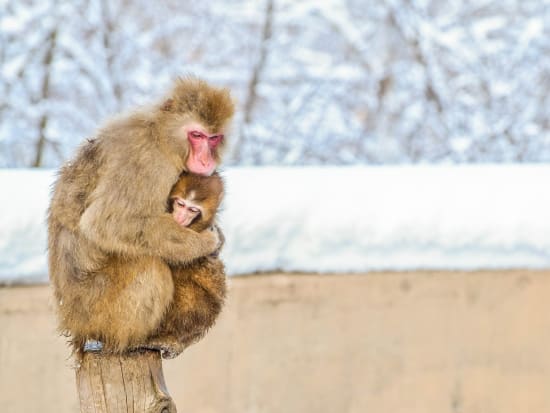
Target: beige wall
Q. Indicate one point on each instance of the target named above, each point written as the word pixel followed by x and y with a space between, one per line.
pixel 388 343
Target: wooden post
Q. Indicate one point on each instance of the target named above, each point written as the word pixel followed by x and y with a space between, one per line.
pixel 132 382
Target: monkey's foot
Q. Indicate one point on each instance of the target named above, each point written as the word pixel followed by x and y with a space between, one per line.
pixel 170 347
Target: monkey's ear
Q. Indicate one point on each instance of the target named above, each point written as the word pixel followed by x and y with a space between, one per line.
pixel 167 105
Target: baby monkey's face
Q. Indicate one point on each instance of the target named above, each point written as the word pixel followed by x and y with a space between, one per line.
pixel 185 211
pixel 194 200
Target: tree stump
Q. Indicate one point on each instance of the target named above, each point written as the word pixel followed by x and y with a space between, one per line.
pixel 132 382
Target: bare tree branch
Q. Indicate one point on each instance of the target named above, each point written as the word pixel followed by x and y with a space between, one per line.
pixel 45 94
pixel 252 95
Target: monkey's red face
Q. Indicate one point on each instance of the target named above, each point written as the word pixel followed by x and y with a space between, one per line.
pixel 202 149
pixel 185 211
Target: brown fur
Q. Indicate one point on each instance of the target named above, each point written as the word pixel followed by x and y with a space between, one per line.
pixel 199 287
pixel 110 239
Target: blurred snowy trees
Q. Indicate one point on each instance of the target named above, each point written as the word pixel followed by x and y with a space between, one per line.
pixel 330 82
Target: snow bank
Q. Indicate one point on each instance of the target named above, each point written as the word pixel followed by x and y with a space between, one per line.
pixel 338 219
pixel 25 197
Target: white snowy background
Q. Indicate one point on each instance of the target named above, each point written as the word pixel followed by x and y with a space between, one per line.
pixel 338 82
pixel 339 219
pixel 397 134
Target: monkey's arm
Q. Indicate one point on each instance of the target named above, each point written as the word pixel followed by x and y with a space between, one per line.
pixel 119 227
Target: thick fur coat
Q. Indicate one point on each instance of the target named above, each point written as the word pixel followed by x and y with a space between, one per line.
pixel 111 242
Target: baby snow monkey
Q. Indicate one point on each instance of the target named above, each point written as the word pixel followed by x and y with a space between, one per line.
pixel 199 287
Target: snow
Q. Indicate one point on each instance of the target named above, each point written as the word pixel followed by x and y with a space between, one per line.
pixel 337 219
pixel 23 224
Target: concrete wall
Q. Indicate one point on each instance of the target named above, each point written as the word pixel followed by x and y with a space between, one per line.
pixel 390 343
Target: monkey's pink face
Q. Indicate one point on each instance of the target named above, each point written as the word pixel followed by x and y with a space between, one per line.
pixel 184 211
pixel 202 149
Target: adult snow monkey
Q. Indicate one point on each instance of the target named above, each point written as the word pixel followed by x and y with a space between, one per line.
pixel 111 240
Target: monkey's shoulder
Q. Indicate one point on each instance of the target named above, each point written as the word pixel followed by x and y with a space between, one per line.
pixel 124 128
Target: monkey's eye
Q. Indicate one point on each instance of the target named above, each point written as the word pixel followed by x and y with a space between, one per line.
pixel 214 140
pixel 181 204
pixel 194 210
pixel 196 135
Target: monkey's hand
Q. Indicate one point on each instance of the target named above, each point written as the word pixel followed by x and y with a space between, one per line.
pixel 217 229
pixel 188 245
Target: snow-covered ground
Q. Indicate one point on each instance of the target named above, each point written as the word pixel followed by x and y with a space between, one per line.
pixel 337 219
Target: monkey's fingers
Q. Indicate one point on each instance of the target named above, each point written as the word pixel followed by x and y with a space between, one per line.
pixel 170 347
pixel 221 241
